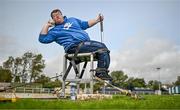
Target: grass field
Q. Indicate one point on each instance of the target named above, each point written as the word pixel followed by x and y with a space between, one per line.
pixel 118 102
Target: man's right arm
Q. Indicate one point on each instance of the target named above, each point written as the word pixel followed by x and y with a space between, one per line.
pixel 46 27
pixel 44 36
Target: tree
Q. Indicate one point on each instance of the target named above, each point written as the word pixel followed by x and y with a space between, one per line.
pixel 17 69
pixel 135 82
pixel 42 79
pixel 153 84
pixel 37 66
pixel 47 83
pixel 119 78
pixel 14 65
pixel 177 83
pixel 27 59
pixel 129 84
pixel 25 68
pixel 5 75
pixel 97 86
pixel 139 82
pixel 9 64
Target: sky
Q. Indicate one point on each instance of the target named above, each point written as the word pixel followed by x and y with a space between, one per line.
pixel 142 35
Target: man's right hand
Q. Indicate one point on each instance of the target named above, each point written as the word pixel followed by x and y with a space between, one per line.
pixel 51 23
pixel 46 26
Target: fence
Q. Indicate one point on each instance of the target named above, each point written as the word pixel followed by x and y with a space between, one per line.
pixel 33 90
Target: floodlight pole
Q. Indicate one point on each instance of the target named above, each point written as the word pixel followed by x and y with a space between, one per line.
pixel 159 80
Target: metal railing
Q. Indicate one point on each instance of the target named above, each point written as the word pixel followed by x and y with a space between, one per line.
pixel 33 90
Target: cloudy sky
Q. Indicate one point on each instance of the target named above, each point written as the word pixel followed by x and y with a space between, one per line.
pixel 141 34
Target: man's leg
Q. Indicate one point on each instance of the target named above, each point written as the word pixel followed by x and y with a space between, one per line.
pixel 102 56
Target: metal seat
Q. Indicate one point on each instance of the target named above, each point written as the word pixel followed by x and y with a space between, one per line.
pixel 75 61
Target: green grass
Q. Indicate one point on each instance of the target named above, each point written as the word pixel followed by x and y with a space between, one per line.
pixel 118 102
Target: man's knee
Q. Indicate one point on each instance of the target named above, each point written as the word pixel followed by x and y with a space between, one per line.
pixel 103 50
pixel 103 45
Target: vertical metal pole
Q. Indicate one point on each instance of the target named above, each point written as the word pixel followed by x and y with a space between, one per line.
pixel 92 72
pixel 101 28
pixel 77 77
pixel 64 71
pixel 78 68
pixel 104 89
pixel 77 84
pixel 85 88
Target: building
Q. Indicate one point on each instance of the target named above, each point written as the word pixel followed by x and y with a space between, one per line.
pixel 143 91
pixel 109 90
pixel 174 90
pixel 4 86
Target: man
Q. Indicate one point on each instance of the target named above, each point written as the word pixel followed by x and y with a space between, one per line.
pixel 69 33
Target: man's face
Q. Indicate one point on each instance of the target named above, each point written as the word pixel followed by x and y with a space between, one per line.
pixel 57 17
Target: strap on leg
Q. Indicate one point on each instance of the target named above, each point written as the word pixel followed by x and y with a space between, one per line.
pixel 73 60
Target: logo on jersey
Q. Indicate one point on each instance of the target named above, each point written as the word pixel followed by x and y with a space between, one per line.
pixel 67 25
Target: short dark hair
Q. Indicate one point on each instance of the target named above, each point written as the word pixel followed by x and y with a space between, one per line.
pixel 54 11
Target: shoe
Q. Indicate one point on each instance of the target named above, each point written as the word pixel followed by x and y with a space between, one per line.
pixel 104 76
pixel 102 70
